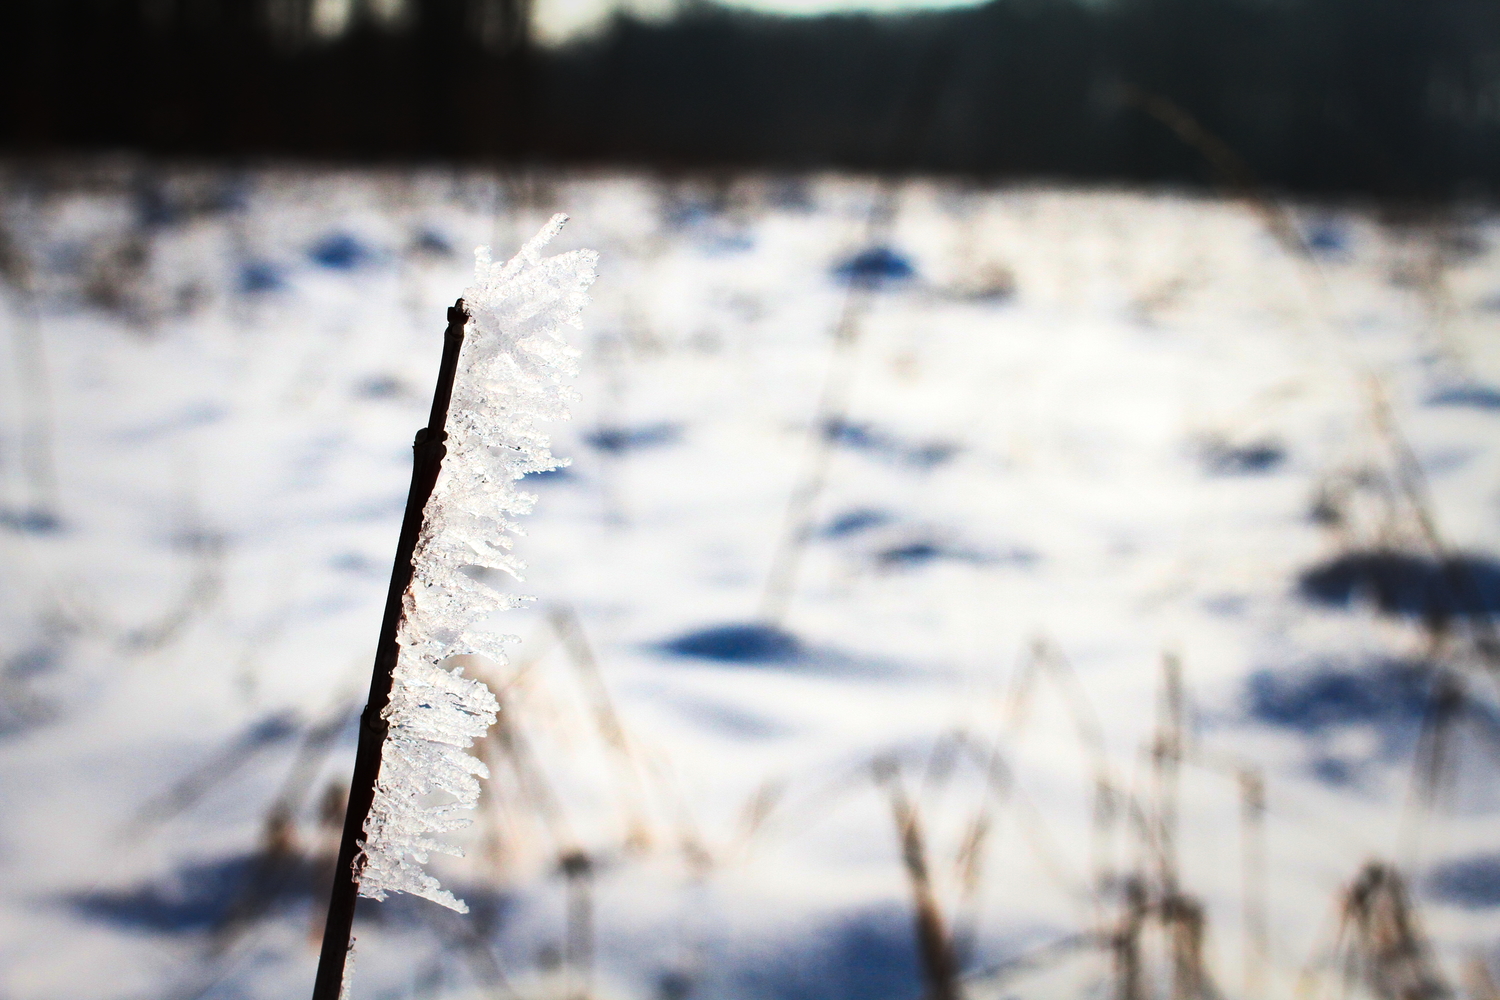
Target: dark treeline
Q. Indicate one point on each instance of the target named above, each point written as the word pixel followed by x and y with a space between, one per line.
pixel 1386 97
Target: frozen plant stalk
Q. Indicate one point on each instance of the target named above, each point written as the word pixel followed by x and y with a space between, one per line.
pixel 510 375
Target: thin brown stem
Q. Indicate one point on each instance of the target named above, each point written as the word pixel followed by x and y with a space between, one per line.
pixel 1256 916
pixel 427 462
pixel 578 947
pixel 939 963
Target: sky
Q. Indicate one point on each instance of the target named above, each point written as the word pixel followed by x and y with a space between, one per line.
pixel 560 20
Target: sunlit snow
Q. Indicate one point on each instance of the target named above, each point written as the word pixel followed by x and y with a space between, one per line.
pixel 1088 434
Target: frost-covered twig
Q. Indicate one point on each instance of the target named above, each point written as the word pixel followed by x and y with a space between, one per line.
pixel 492 391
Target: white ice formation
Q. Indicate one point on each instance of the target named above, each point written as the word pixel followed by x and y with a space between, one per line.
pixel 346 984
pixel 511 374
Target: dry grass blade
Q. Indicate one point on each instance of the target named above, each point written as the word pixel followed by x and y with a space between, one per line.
pixel 934 946
pixel 578 948
pixel 508 744
pixel 1232 170
pixel 832 410
pixel 1387 947
pixel 1001 785
pixel 757 810
pixel 569 629
pixel 1431 762
pixel 1046 660
pixel 1166 758
pixel 969 864
pixel 1253 879
pixel 1129 972
pixel 1185 922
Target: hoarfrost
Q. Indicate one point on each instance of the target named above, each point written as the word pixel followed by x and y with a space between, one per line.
pixel 346 984
pixel 511 375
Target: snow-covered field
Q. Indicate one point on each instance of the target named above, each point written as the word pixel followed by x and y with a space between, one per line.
pixel 1067 438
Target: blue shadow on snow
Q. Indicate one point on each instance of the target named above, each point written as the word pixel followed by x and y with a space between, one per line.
pixel 1326 238
pixel 1481 397
pixel 760 644
pixel 202 896
pixel 619 440
pixel 876 267
pixel 31 522
pixel 431 243
pixel 749 642
pixel 1394 699
pixel 340 252
pixel 1243 460
pixel 868 956
pixel 1387 694
pixel 867 438
pixel 1390 697
pixel 259 277
pixel 912 555
pixel 1468 883
pixel 379 387
pixel 732 721
pixel 855 521
pixel 1403 583
pixel 244 889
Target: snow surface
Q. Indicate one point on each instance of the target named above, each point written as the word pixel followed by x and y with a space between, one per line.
pixel 1089 428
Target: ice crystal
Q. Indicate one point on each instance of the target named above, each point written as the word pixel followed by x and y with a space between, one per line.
pixel 511 375
pixel 346 984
